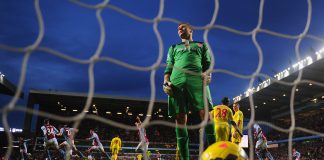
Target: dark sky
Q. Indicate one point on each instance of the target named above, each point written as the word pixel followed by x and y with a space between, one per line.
pixel 74 31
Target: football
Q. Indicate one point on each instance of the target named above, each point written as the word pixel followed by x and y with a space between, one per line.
pixel 224 150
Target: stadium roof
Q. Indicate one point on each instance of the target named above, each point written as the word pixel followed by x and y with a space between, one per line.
pixel 68 104
pixel 77 100
pixel 272 100
pixel 6 87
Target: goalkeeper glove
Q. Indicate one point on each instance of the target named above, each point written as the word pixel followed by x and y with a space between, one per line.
pixel 207 77
pixel 167 88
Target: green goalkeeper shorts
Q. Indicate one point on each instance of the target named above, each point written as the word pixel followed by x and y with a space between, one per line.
pixel 187 95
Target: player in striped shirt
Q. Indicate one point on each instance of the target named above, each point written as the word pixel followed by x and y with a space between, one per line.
pixel 50 140
pixel 144 143
pixel 261 146
pixel 23 148
pixel 68 134
pixel 96 144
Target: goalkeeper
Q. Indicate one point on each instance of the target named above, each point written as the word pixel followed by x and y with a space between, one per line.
pixel 185 90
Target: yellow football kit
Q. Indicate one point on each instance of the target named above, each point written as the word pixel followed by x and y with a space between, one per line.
pixel 115 146
pixel 139 157
pixel 238 119
pixel 221 115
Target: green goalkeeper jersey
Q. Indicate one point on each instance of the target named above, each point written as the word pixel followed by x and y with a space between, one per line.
pixel 193 57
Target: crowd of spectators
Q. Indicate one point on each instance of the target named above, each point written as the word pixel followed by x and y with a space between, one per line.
pixel 309 150
pixel 312 121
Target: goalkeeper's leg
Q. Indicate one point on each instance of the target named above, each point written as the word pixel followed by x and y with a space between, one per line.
pixel 196 96
pixel 210 134
pixel 209 129
pixel 182 137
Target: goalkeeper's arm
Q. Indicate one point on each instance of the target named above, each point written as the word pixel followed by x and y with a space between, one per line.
pixel 167 85
pixel 166 77
pixel 236 128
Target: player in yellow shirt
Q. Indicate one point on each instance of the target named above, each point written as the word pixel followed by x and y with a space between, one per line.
pixel 238 119
pixel 115 146
pixel 221 115
pixel 139 157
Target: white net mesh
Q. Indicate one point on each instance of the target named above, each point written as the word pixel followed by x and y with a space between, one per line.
pixel 98 8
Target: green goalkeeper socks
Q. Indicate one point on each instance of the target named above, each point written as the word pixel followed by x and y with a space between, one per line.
pixel 183 143
pixel 210 134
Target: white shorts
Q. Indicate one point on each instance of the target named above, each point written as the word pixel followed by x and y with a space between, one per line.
pixel 65 143
pixel 51 142
pixel 261 144
pixel 100 146
pixel 68 147
pixel 144 145
pixel 23 150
